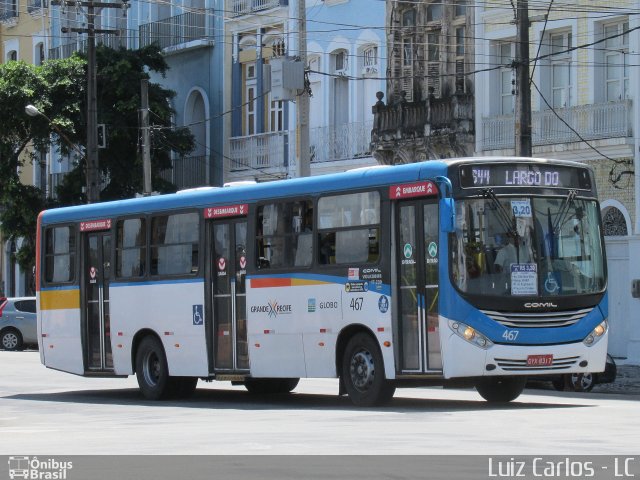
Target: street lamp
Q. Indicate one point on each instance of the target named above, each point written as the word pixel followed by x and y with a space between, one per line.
pixel 33 111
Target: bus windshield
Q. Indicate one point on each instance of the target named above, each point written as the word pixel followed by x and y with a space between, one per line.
pixel 528 246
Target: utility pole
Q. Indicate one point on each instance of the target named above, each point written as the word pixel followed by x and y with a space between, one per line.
pixel 523 88
pixel 303 167
pixel 93 180
pixel 146 137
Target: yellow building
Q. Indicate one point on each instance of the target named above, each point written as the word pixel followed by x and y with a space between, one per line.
pixel 24 33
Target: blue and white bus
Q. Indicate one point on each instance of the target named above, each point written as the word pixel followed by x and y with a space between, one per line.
pixel 476 271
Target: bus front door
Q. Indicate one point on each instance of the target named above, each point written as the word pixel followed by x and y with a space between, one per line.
pixel 96 278
pixel 228 271
pixel 417 254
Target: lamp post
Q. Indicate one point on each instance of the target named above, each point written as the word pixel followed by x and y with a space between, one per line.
pixel 33 111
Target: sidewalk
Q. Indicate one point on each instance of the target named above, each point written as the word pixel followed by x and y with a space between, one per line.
pixel 627 381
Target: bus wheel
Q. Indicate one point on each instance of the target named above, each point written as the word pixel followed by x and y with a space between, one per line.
pixel 363 372
pixel 501 389
pixel 270 386
pixel 11 339
pixel 152 371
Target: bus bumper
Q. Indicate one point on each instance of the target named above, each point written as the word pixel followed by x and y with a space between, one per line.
pixel 463 359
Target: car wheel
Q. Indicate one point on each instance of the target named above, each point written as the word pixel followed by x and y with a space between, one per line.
pixel 11 339
pixel 582 382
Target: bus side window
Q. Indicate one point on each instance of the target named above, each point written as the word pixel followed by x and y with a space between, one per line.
pixel 60 254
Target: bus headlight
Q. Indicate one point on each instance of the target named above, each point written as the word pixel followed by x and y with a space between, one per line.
pixel 596 334
pixel 470 334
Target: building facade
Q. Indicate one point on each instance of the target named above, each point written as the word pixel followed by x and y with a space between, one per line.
pixel 345 66
pixel 428 112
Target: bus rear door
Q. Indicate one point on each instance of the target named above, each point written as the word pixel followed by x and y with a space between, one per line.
pixel 95 278
pixel 227 267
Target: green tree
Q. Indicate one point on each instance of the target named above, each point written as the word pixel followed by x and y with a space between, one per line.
pixel 53 88
pixel 57 89
pixel 118 78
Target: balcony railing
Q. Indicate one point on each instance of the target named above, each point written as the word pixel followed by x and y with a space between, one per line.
pixel 265 150
pixel 123 39
pixel 246 7
pixel 408 120
pixel 347 141
pixel 592 122
pixel 174 31
pixel 187 172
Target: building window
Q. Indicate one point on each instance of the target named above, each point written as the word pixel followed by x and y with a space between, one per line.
pixel 433 62
pixel 505 54
pixel 250 114
pixel 409 18
pixel 560 69
pixel 276 115
pixel 38 57
pixel 461 8
pixel 12 56
pixel 614 223
pixel 370 56
pixel 460 64
pixel 407 52
pixel 341 63
pixel 616 60
pixel 434 12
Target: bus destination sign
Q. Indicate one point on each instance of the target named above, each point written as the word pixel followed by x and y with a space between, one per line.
pixel 240 210
pixel 95 225
pixel 524 175
pixel 410 190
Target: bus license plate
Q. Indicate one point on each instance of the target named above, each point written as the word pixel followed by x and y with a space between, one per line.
pixel 539 360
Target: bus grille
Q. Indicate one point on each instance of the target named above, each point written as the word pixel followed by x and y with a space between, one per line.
pixel 517 365
pixel 537 320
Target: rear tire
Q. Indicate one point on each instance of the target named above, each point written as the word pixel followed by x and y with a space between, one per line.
pixel 152 371
pixel 501 389
pixel 270 386
pixel 11 340
pixel 363 372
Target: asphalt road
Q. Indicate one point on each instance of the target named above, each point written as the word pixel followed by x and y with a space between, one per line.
pixel 48 412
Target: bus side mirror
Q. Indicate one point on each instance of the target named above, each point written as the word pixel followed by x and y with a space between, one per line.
pixel 447 215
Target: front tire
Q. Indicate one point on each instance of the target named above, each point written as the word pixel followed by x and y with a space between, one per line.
pixel 501 389
pixel 11 340
pixel 363 372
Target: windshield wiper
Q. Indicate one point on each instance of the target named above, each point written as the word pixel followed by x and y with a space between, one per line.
pixel 564 210
pixel 507 222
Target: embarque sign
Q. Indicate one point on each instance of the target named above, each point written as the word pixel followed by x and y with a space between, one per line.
pixel 410 190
